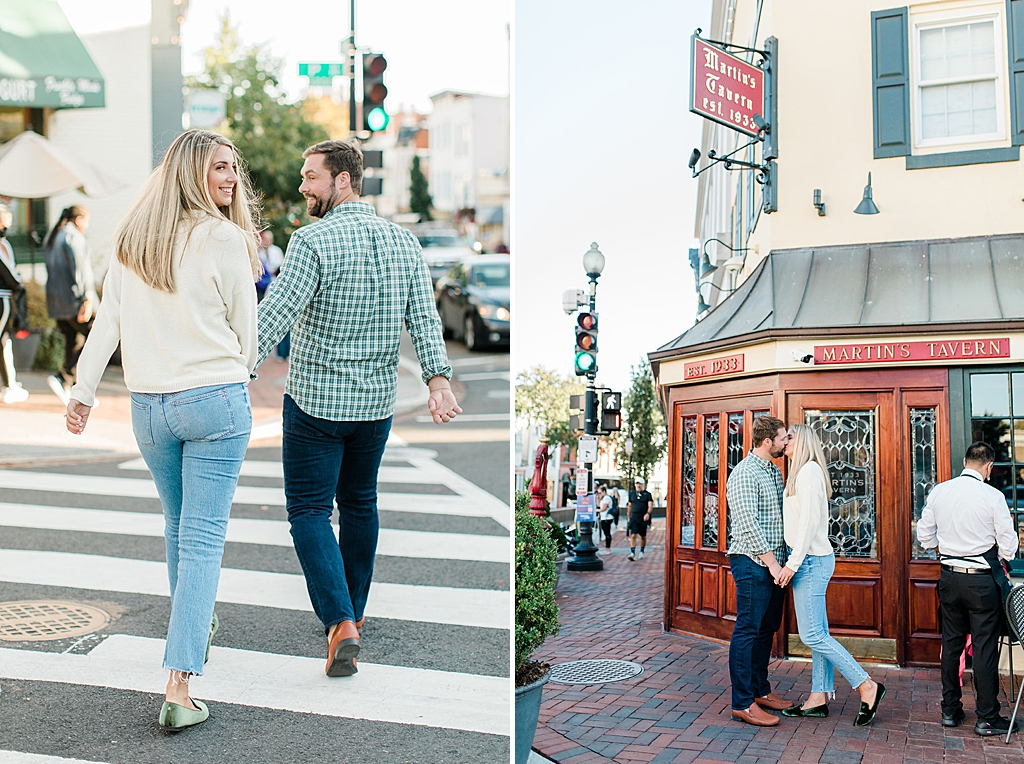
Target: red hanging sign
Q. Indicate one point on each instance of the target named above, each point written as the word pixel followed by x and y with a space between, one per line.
pixel 725 88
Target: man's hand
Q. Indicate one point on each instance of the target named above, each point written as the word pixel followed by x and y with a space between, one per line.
pixel 784 576
pixel 77 416
pixel 85 312
pixel 442 404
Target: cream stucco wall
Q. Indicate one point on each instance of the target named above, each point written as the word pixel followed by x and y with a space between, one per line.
pixel 825 139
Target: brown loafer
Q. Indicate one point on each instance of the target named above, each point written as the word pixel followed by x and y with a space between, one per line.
pixel 773 702
pixel 360 622
pixel 342 649
pixel 754 715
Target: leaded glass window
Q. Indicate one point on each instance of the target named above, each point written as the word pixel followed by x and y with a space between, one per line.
pixel 689 503
pixel 848 438
pixel 712 440
pixel 922 455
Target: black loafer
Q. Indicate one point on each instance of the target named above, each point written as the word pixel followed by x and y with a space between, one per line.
pixel 998 726
pixel 866 715
pixel 953 720
pixel 818 712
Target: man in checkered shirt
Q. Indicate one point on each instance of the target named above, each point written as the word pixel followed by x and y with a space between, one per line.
pixel 756 552
pixel 348 284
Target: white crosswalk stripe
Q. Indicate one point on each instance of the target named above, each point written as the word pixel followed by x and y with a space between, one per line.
pixel 402 694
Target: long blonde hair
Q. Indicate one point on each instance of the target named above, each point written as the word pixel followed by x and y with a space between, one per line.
pixel 174 198
pixel 806 448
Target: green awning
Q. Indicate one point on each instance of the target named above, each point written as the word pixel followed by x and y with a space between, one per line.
pixel 42 61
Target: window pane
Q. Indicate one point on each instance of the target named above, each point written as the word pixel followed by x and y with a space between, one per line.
pixel 933 62
pixel 1002 479
pixel 922 456
pixel 1018 440
pixel 689 508
pixel 982 48
pixel 709 537
pixel 1019 480
pixel 965 50
pixel 989 395
pixel 1018 394
pixel 995 432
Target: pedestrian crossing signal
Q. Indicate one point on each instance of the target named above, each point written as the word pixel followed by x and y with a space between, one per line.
pixel 611 414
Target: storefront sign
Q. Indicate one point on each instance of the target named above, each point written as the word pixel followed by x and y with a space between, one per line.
pixel 848 482
pixel 714 367
pixel 725 88
pixel 908 352
pixel 52 92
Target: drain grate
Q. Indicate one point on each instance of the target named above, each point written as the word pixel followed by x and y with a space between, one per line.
pixel 44 620
pixel 594 671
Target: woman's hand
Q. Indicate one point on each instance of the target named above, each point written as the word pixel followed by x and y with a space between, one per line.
pixel 784 576
pixel 77 416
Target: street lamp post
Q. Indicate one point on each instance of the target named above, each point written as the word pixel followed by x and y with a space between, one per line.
pixel 585 558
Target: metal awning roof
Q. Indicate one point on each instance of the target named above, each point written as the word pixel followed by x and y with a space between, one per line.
pixel 42 61
pixel 896 287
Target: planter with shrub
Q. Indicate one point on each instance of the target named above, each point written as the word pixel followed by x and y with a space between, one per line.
pixel 536 620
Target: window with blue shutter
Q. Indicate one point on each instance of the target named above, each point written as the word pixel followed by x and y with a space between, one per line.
pixel 890 80
pixel 1015 29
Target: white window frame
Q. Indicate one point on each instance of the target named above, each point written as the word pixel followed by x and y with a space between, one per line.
pixel 999 55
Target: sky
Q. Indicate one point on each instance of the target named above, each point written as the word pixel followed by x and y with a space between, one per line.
pixel 430 46
pixel 602 133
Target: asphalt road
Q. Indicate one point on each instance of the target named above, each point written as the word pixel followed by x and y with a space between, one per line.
pixel 433 681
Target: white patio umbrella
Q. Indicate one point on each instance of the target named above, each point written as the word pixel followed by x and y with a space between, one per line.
pixel 31 167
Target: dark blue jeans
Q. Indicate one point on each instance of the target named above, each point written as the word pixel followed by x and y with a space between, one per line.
pixel 758 617
pixel 324 460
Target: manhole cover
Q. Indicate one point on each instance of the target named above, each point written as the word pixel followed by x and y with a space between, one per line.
pixel 40 621
pixel 594 672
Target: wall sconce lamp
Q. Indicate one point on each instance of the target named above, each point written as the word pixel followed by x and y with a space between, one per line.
pixel 867 205
pixel 706 266
pixel 702 306
pixel 818 204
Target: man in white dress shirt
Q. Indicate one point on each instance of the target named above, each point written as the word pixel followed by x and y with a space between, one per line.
pixel 965 519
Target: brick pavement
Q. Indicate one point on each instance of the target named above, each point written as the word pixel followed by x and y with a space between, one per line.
pixel 678 709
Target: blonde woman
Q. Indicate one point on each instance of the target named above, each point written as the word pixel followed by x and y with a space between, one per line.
pixel 180 298
pixel 810 567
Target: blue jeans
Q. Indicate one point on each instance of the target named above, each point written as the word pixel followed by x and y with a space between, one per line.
pixel 326 460
pixel 809 585
pixel 758 617
pixel 193 442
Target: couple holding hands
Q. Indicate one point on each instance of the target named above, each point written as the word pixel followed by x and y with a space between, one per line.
pixel 767 516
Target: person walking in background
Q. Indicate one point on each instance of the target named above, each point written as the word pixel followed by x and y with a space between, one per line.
pixel 13 314
pixel 180 298
pixel 607 514
pixel 756 545
pixel 968 522
pixel 273 258
pixel 810 566
pixel 640 502
pixel 349 284
pixel 70 290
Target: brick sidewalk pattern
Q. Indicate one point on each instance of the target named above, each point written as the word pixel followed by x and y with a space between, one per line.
pixel 678 709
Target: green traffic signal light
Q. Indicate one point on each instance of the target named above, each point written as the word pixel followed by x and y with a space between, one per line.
pixel 377 119
pixel 585 362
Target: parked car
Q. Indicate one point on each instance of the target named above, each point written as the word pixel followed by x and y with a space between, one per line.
pixel 473 301
pixel 442 248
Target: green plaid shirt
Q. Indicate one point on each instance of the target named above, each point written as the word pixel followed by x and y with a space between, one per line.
pixel 754 492
pixel 348 284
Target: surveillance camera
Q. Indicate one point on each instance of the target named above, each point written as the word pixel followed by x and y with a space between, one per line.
pixel 694 158
pixel 802 356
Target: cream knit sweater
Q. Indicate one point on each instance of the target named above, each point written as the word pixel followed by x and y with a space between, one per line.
pixel 805 516
pixel 204 333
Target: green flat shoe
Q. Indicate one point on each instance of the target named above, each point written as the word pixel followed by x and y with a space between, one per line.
pixel 818 712
pixel 175 717
pixel 214 625
pixel 866 715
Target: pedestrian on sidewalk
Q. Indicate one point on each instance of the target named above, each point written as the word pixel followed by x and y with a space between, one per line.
pixel 756 546
pixel 13 314
pixel 810 566
pixel 607 514
pixel 70 290
pixel 349 283
pixel 180 298
pixel 640 503
pixel 967 521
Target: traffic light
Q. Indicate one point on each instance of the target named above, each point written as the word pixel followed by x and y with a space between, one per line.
pixel 611 412
pixel 576 421
pixel 375 118
pixel 586 344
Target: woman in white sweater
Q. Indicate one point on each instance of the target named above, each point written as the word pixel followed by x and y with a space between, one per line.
pixel 180 298
pixel 810 566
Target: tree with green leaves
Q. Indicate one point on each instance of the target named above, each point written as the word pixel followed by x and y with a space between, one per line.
pixel 644 423
pixel 269 133
pixel 542 398
pixel 420 200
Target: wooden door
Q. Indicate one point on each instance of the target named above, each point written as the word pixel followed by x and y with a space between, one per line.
pixel 867 594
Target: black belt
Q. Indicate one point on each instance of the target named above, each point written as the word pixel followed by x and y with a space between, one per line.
pixel 968 571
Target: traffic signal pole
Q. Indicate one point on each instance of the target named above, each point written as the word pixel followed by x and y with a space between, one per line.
pixel 352 55
pixel 585 557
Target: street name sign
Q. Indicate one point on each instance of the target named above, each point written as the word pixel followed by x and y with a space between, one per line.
pixel 322 74
pixel 725 88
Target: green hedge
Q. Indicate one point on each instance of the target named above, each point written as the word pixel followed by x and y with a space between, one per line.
pixel 536 609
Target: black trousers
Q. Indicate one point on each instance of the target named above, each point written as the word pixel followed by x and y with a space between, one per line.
pixel 606 526
pixel 970 605
pixel 74 340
